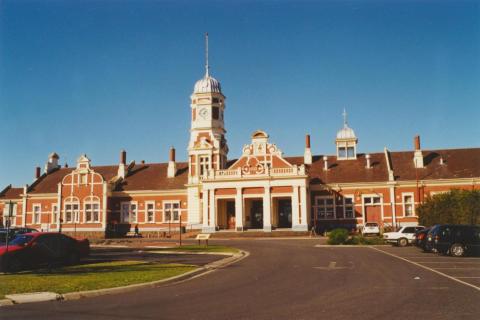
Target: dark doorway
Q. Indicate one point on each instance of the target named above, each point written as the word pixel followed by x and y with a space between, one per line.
pixel 231 215
pixel 256 214
pixel 285 213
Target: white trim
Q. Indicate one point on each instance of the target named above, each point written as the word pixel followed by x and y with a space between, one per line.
pixel 34 220
pixel 406 194
pixel 316 206
pixel 171 202
pixel 152 202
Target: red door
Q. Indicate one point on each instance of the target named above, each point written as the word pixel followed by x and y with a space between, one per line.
pixel 373 214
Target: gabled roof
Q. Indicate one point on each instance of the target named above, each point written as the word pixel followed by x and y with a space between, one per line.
pixel 11 193
pixel 347 171
pixel 458 163
pixel 153 176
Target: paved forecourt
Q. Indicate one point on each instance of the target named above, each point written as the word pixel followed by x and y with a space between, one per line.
pixel 463 269
pixel 285 279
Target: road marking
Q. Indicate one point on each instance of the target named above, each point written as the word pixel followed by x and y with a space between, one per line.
pixel 332 265
pixel 427 268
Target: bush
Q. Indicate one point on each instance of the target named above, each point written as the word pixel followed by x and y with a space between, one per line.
pixel 361 240
pixel 454 207
pixel 338 236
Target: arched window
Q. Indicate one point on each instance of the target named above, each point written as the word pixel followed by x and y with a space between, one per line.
pixel 91 207
pixel 71 209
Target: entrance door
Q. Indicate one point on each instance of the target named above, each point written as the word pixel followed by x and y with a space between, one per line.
pixel 373 213
pixel 231 214
pixel 285 213
pixel 256 214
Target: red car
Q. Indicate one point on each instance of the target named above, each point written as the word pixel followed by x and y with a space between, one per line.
pixel 34 250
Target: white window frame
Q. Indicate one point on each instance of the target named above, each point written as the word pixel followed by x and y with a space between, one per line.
pixel 147 203
pixel 203 166
pixel 404 195
pixel 122 212
pixel 6 212
pixel 349 196
pixel 317 206
pixel 75 213
pixel 171 203
pixel 36 219
pixel 54 213
pixel 92 201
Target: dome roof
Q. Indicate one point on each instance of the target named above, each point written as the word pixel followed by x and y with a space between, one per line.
pixel 207 84
pixel 346 133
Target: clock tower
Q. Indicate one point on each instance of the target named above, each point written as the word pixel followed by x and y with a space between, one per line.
pixel 207 149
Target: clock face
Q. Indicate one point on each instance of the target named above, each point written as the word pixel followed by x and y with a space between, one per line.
pixel 203 113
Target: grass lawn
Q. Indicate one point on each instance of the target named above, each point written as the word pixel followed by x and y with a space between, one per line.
pixel 89 277
pixel 201 248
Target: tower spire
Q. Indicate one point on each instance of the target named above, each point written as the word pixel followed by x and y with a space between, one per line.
pixel 207 67
pixel 345 123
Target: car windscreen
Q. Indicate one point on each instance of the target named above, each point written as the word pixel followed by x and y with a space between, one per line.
pixel 20 240
pixel 372 225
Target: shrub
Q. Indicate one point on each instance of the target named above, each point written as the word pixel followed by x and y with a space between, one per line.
pixel 365 240
pixel 455 207
pixel 338 236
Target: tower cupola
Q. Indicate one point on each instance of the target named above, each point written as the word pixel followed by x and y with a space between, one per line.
pixel 346 141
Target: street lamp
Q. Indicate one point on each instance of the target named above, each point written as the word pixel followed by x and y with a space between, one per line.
pixel 180 229
pixel 9 217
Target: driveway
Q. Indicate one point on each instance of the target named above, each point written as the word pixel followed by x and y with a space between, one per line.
pixel 285 279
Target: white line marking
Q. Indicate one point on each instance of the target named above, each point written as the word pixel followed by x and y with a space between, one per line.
pixel 427 268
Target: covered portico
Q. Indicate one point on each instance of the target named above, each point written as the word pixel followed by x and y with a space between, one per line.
pixel 255 204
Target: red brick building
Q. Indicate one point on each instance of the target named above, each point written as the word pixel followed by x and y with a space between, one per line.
pixel 260 190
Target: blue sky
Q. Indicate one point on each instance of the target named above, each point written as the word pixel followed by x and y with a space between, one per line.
pixel 97 76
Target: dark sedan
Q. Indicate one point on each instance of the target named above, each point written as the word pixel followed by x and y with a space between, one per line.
pixel 35 250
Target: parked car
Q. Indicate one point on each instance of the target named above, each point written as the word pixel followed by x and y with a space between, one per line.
pixel 404 236
pixel 456 240
pixel 371 228
pixel 12 232
pixel 421 238
pixel 34 250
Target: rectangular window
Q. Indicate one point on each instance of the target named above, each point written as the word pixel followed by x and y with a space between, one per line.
pixel 408 205
pixel 9 213
pixel 54 213
pixel 92 212
pixel 150 214
pixel 215 113
pixel 37 211
pixel 128 212
pixel 342 152
pixel 72 212
pixel 171 211
pixel 204 165
pixel 325 208
pixel 348 207
pixel 350 152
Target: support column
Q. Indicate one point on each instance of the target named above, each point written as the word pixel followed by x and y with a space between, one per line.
pixel 213 212
pixel 239 210
pixel 267 207
pixel 205 223
pixel 393 206
pixel 295 211
pixel 303 225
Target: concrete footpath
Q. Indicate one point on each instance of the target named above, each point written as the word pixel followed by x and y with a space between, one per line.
pixel 200 271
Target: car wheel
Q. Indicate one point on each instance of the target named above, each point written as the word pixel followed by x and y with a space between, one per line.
pixel 402 242
pixel 457 250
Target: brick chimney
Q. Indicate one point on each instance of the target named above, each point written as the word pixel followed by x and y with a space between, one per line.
pixel 369 165
pixel 172 166
pixel 417 156
pixel 37 172
pixel 307 156
pixel 122 166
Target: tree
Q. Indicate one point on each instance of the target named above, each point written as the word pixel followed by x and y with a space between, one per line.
pixel 453 207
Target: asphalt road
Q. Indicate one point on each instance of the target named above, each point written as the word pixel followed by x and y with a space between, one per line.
pixel 285 279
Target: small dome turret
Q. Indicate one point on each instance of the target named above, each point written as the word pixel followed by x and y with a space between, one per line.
pixel 207 84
